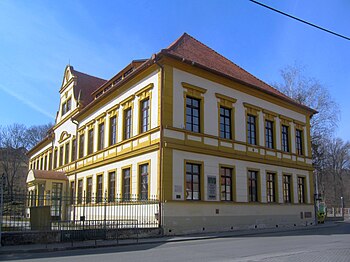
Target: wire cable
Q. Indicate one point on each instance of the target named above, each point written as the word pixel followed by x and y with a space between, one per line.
pixel 300 20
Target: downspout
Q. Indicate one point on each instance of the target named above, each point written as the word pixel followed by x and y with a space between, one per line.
pixel 161 193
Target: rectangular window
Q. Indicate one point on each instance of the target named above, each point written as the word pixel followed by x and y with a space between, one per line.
pixel 127 123
pixel 64 109
pixel 66 153
pixel 101 136
pixel 90 141
pixel 301 190
pixel 41 163
pixel 45 163
pixel 144 180
pixel 225 123
pixel 61 156
pixel 50 161
pixel 193 114
pixel 74 149
pixel 113 130
pixel 81 145
pixel 270 187
pixel 226 183
pixel 145 123
pixel 299 141
pixel 111 187
pixel 269 134
pixel 99 189
pixel 253 186
pixel 251 129
pixel 88 190
pixel 72 192
pixel 80 191
pixel 126 184
pixel 193 182
pixel 69 104
pixel 55 158
pixel 285 138
pixel 287 198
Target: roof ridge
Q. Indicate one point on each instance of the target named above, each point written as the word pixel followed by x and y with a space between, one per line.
pixel 76 71
pixel 177 42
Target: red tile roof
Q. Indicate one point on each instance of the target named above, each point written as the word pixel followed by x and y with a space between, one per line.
pixel 188 48
pixel 49 174
pixel 86 85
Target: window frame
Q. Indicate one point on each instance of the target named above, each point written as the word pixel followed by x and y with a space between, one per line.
pixel 101 136
pixel 232 183
pixel 113 130
pixel 252 135
pixel 74 150
pixel 253 197
pixel 90 147
pixel 285 136
pixel 88 196
pixel 126 196
pixel 299 142
pixel 112 189
pixel 127 123
pixel 302 198
pixel 144 194
pixel 191 115
pixel 81 145
pixel 60 161
pixel 80 191
pixel 229 125
pixel 66 153
pixel 99 189
pixel 287 189
pixel 145 114
pixel 200 180
pixel 271 185
pixel 269 134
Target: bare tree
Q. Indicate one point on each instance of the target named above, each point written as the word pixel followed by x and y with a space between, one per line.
pixel 15 140
pixel 13 144
pixel 337 164
pixel 310 92
pixel 37 133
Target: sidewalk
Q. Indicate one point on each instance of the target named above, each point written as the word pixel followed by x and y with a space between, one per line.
pixel 34 248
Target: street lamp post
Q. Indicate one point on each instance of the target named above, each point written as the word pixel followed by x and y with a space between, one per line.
pixel 342 206
pixel 1 201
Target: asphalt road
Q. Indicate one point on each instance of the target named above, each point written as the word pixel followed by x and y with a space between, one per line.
pixel 319 244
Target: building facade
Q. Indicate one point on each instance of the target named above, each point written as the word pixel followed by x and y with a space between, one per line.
pixel 219 148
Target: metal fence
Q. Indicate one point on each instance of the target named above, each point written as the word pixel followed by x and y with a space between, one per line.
pixel 337 212
pixel 78 215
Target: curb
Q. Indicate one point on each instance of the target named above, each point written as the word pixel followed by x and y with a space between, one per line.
pixel 158 240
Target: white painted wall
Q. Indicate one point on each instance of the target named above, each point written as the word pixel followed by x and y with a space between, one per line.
pixel 210 109
pixel 117 167
pixel 211 167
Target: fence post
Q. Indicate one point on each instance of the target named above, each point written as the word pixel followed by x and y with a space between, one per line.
pixel 105 213
pixel 2 202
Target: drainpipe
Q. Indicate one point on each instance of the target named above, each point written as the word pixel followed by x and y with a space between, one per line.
pixel 161 143
pixel 76 123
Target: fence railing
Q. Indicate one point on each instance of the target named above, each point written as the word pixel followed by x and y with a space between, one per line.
pixel 28 212
pixel 337 212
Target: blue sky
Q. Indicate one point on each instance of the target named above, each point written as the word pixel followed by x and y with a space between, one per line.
pixel 39 38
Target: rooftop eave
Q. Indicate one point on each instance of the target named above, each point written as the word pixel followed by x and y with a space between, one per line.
pixel 40 145
pixel 84 109
pixel 193 63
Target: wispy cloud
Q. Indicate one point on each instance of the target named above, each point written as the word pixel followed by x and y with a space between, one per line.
pixel 26 102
